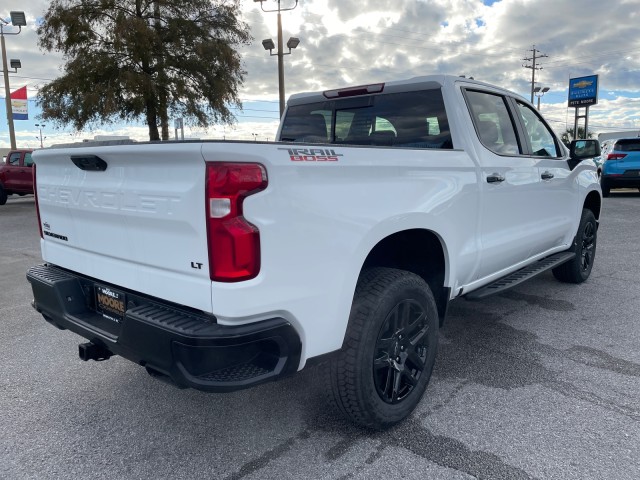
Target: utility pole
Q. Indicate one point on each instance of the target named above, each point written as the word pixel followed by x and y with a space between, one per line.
pixel 533 66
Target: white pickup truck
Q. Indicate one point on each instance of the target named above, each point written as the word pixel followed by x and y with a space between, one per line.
pixel 223 265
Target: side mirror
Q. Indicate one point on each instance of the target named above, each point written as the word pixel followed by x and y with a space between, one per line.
pixel 582 149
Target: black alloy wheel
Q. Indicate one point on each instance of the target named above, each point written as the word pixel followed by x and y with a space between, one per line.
pixel 587 252
pixel 401 351
pixel 578 269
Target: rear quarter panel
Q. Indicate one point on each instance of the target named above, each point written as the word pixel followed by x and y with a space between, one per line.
pixel 318 221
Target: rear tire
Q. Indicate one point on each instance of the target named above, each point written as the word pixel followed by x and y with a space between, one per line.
pixel 385 364
pixel 3 196
pixel 606 189
pixel 579 268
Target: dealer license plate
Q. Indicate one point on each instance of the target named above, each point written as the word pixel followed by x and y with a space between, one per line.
pixel 111 303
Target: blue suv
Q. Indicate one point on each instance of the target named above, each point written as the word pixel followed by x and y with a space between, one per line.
pixel 620 164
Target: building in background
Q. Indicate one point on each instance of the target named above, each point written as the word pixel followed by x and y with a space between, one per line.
pixel 624 134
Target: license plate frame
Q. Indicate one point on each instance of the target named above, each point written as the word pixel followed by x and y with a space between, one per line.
pixel 110 303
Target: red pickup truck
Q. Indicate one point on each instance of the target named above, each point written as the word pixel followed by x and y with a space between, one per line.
pixel 16 174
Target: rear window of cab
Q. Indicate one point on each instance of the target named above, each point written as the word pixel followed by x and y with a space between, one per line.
pixel 628 145
pixel 406 119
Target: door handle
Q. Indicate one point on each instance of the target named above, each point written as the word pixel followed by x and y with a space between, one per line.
pixel 546 176
pixel 495 178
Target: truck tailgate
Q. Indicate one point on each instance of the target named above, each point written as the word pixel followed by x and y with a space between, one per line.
pixel 139 223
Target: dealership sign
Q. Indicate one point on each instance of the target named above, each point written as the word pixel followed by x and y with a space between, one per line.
pixel 583 91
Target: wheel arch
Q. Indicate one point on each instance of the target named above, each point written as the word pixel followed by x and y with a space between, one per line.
pixel 593 202
pixel 418 251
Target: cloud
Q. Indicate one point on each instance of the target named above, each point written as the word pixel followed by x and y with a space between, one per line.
pixel 350 43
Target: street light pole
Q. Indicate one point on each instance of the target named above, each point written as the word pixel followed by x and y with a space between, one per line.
pixel 539 92
pixel 280 62
pixel 40 127
pixel 18 19
pixel 280 52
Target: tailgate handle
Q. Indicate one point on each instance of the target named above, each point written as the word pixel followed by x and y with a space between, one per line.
pixel 91 163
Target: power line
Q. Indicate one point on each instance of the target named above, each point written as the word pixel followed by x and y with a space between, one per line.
pixel 594 55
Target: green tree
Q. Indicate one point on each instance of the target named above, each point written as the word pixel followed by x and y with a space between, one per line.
pixel 135 59
pixel 567 136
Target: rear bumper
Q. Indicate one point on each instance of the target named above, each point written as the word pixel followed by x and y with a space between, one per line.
pixel 621 181
pixel 186 347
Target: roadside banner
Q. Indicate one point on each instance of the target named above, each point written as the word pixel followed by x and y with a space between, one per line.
pixel 19 104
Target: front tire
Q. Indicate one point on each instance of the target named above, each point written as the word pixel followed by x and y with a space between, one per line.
pixel 3 196
pixel 383 369
pixel 579 268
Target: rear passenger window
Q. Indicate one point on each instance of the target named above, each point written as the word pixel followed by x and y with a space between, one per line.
pixel 493 122
pixel 28 160
pixel 407 119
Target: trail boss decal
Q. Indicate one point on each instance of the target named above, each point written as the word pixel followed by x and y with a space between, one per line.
pixel 312 154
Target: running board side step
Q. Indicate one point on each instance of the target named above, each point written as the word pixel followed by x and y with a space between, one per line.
pixel 521 275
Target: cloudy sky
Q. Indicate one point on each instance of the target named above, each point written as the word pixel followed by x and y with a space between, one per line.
pixel 346 43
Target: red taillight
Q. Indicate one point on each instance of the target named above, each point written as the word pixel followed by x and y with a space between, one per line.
pixel 234 243
pixel 616 156
pixel 35 194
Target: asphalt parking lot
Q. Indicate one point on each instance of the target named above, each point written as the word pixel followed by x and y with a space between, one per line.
pixel 542 381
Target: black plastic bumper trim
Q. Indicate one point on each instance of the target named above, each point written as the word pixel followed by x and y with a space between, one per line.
pixel 621 181
pixel 188 347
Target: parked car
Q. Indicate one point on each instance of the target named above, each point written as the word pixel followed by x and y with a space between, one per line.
pixel 16 174
pixel 620 164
